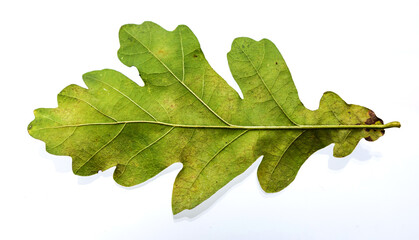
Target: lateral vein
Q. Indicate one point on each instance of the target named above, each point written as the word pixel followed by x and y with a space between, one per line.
pixel 217 153
pixel 268 89
pixel 179 80
pixel 100 149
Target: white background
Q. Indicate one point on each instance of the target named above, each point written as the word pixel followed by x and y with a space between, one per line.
pixel 366 51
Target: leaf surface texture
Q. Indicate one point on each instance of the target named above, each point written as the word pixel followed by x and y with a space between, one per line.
pixel 187 113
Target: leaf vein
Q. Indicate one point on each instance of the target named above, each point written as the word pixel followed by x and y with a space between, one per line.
pixel 126 96
pixel 216 154
pixel 91 105
pixel 177 78
pixel 101 148
pixel 282 154
pixel 149 145
pixel 71 134
pixel 269 91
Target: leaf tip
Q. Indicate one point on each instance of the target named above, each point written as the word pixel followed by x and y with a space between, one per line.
pixel 29 128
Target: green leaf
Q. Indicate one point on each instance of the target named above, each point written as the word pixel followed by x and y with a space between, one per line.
pixel 187 113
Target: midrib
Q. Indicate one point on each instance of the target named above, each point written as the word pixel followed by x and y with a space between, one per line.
pixel 298 127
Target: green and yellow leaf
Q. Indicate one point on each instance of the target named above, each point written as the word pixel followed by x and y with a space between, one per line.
pixel 187 113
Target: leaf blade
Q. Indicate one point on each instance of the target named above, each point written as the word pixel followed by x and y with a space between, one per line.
pixel 187 113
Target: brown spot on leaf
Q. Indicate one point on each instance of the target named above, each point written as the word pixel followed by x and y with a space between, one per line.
pixel 373 118
pixel 195 56
pixel 276 63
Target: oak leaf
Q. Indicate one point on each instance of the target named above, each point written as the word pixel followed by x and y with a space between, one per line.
pixel 187 113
